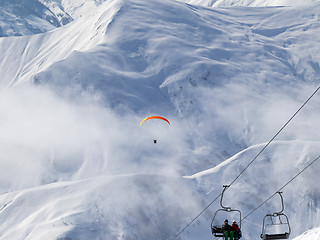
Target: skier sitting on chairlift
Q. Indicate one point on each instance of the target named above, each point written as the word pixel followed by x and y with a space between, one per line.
pixel 236 229
pixel 227 230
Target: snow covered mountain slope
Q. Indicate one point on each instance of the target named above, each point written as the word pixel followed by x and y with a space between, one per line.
pixel 32 54
pixel 74 162
pixel 99 208
pixel 250 3
pixel 29 17
pixel 220 54
pixel 312 234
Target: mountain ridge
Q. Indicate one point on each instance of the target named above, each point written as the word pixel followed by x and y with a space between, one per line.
pixel 76 164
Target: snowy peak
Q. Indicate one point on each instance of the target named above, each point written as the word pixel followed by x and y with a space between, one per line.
pixel 59 12
pixel 250 3
pixel 28 17
pixel 37 52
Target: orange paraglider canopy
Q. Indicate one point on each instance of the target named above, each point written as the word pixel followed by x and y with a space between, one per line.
pixel 155 117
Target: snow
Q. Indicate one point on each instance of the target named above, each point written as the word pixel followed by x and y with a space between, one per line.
pixel 29 17
pixel 251 3
pixel 77 77
pixel 311 234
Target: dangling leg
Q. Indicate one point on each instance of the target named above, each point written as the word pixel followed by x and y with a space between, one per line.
pixel 226 235
pixel 231 235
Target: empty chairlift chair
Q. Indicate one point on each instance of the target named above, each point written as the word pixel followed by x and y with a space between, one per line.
pixel 216 229
pixel 278 226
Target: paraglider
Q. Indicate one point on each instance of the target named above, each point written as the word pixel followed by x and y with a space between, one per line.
pixel 155 117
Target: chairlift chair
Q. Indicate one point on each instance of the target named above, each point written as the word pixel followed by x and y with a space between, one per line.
pixel 216 230
pixel 280 216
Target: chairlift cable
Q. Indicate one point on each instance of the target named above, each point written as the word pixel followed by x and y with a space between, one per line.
pixel 302 106
pixel 317 158
pixel 274 136
pixel 197 217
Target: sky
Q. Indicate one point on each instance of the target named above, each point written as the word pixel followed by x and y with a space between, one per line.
pixel 79 76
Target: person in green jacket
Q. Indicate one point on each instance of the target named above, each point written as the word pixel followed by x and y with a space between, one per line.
pixel 227 230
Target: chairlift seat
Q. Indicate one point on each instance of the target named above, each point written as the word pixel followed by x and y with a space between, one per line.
pixel 217 232
pixel 275 236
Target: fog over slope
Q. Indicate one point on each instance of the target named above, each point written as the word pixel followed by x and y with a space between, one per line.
pixel 76 164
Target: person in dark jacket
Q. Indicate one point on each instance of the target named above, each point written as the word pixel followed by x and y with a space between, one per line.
pixel 227 230
pixel 236 230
